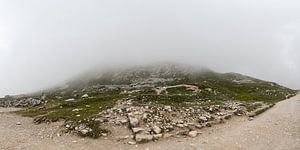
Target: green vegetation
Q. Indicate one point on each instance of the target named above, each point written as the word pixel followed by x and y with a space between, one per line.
pixel 214 88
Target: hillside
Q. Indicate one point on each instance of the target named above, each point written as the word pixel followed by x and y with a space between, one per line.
pixel 153 101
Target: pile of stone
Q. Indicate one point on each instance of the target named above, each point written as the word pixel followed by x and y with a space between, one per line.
pixel 22 102
pixel 152 122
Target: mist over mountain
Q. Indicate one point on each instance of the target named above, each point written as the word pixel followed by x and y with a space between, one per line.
pixel 43 43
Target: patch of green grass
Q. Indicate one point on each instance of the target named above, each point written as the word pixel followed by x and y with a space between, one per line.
pixel 179 91
pixel 251 107
pixel 66 110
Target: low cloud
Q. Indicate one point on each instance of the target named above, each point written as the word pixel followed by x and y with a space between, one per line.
pixel 43 43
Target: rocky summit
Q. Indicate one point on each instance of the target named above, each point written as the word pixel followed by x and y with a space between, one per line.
pixel 150 102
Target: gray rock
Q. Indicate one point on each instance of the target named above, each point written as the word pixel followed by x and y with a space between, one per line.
pixel 180 125
pixel 84 131
pixel 157 136
pixel 203 119
pixel 193 133
pixel 137 130
pixel 85 96
pixel 124 121
pixel 70 100
pixel 134 122
pixel 156 130
pixel 141 138
pixel 131 142
pixel 199 126
pixel 168 108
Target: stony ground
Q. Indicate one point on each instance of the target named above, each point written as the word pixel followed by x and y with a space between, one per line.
pixel 278 128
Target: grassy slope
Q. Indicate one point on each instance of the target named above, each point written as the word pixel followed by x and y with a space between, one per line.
pixel 214 87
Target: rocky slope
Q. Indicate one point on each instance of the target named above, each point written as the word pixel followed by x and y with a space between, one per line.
pixel 151 102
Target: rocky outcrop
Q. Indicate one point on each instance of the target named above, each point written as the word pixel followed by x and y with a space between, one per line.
pixel 22 102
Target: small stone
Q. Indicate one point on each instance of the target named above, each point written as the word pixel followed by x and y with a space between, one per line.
pixel 168 108
pixel 78 115
pixel 141 138
pixel 137 130
pixel 208 124
pixel 157 136
pixel 18 123
pixel 84 131
pixel 133 122
pixel 124 121
pixel 193 133
pixel 70 100
pixel 75 110
pixel 203 119
pixel 131 142
pixel 156 130
pixel 180 125
pixel 250 118
pixel 199 126
pixel 85 96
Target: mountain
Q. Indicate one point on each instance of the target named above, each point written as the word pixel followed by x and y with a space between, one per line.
pixel 225 86
pixel 150 100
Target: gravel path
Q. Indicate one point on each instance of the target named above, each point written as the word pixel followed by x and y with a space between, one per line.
pixel 278 128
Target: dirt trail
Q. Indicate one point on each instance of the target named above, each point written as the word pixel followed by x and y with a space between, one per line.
pixel 278 128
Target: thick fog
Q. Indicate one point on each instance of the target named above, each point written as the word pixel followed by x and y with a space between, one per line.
pixel 44 42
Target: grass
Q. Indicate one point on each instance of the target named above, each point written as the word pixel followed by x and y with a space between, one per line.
pixel 85 109
pixel 65 110
pixel 222 89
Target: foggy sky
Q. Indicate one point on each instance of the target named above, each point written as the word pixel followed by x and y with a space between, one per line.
pixel 44 42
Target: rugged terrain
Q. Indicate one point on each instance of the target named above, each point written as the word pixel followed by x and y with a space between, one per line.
pixel 278 129
pixel 149 103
